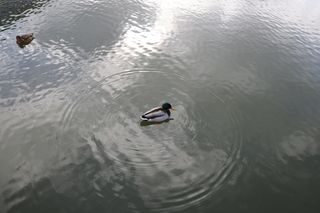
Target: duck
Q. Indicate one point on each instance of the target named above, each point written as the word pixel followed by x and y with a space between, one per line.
pixel 158 114
pixel 25 39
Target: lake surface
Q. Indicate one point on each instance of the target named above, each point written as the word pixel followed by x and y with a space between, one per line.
pixel 243 75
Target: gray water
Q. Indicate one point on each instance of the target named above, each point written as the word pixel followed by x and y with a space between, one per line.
pixel 243 75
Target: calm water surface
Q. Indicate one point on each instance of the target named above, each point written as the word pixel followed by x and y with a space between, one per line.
pixel 243 75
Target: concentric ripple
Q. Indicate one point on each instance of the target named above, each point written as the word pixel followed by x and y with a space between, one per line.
pixel 173 165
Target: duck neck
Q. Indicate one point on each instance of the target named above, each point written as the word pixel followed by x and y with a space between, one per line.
pixel 167 111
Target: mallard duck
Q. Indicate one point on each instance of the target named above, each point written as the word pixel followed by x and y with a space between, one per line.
pixel 25 39
pixel 158 114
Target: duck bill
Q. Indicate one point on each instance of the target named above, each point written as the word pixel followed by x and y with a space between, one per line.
pixel 172 109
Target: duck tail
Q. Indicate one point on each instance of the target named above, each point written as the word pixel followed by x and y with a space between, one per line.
pixel 144 118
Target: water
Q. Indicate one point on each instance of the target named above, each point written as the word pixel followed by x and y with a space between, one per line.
pixel 243 76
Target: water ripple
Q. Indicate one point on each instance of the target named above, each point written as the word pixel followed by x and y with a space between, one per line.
pixel 243 76
pixel 188 165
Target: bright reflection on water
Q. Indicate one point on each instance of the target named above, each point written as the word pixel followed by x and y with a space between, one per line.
pixel 242 75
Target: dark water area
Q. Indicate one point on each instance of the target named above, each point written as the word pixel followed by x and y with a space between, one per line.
pixel 243 75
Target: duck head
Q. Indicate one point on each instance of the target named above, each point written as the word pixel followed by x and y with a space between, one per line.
pixel 166 106
pixel 18 38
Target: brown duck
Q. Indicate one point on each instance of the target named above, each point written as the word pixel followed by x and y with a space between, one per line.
pixel 25 39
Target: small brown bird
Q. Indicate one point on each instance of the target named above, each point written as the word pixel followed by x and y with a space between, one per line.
pixel 25 39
